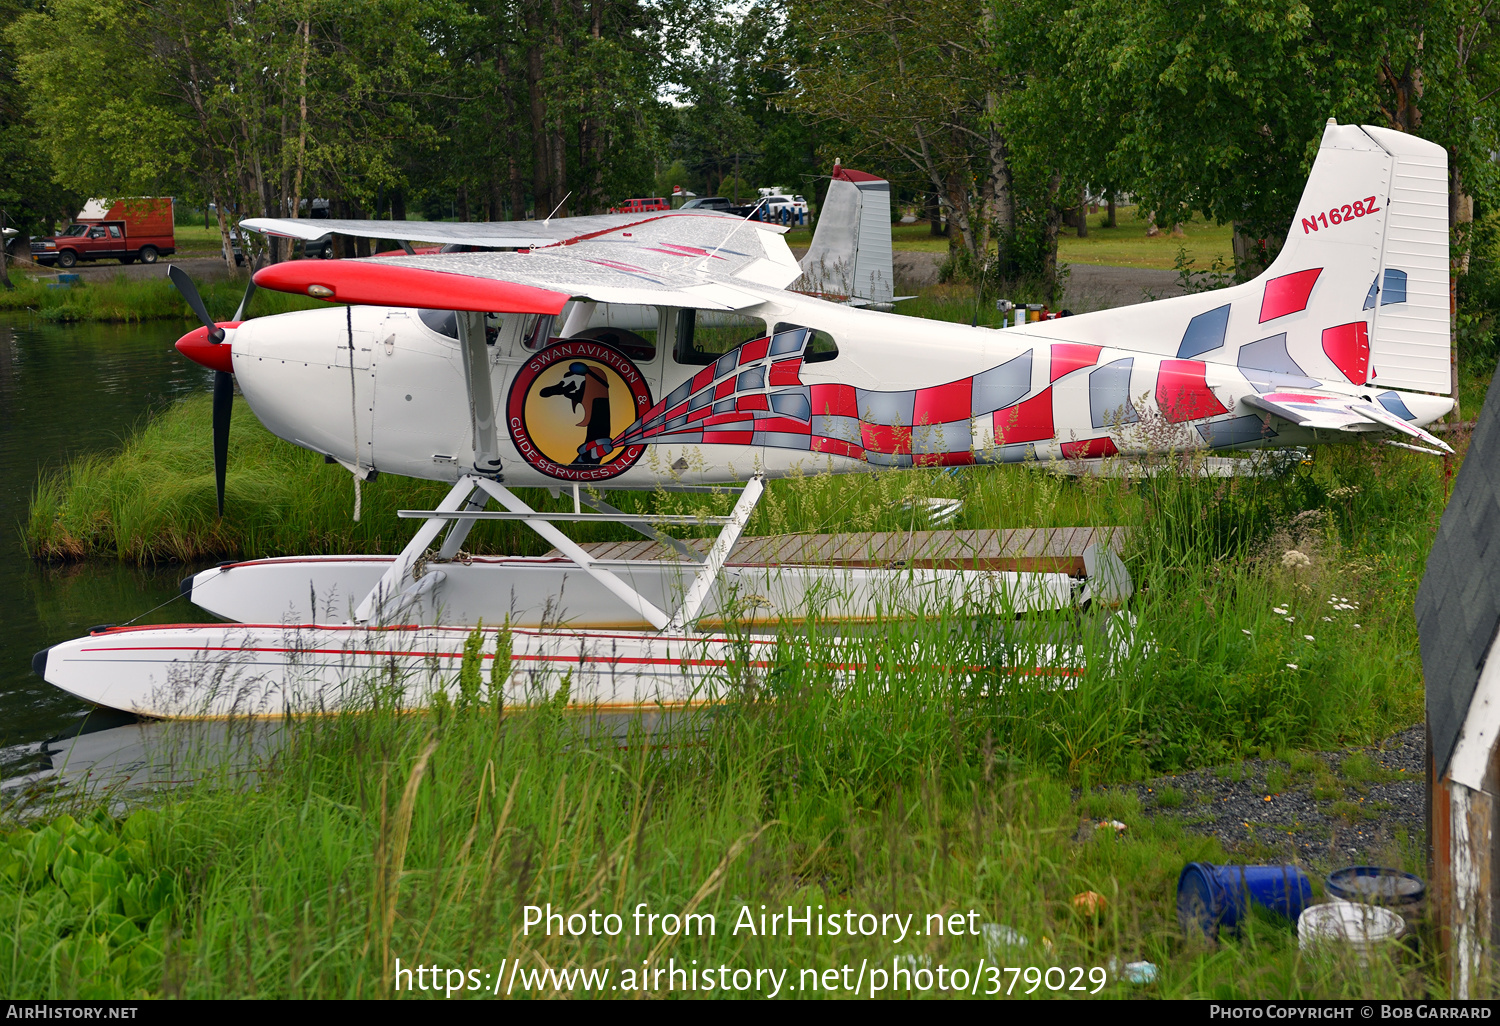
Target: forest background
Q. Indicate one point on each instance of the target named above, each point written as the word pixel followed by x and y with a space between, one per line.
pixel 995 119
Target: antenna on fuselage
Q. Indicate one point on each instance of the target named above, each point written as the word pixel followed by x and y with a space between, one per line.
pixel 548 219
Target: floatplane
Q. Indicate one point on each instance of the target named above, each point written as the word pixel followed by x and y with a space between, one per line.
pixel 688 349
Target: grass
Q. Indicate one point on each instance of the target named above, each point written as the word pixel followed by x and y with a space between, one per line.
pixel 134 299
pixel 1125 245
pixel 383 837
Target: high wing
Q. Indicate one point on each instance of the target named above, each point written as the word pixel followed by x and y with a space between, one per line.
pixel 687 259
pixel 495 234
pixel 1338 413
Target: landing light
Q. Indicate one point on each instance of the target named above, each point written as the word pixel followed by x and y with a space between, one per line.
pixel 320 291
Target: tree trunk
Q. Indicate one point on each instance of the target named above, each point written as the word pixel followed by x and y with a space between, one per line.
pixel 1111 222
pixel 226 247
pixel 463 202
pixel 934 211
pixel 398 204
pixel 541 161
pixel 559 147
pixel 1051 230
pixel 1002 207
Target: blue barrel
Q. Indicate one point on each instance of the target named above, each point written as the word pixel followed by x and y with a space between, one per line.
pixel 1211 898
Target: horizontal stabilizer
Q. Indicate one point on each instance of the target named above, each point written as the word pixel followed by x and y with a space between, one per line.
pixel 1338 413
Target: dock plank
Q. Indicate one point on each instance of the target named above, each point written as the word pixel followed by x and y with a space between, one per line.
pixel 1047 550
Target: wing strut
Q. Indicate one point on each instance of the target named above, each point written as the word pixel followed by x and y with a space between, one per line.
pixel 471 338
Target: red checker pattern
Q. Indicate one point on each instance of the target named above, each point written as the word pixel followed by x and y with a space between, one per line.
pixel 941 404
pixel 835 401
pixel 752 402
pixel 752 351
pixel 1028 421
pixel 1089 448
pixel 1069 356
pixel 786 424
pixel 886 439
pixel 727 437
pixel 944 459
pixel 1183 394
pixel 725 389
pixel 785 372
pixel 838 447
pixel 1348 346
pixel 1287 294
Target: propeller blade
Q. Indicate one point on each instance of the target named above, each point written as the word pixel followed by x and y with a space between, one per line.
pixel 223 405
pixel 189 292
pixel 239 315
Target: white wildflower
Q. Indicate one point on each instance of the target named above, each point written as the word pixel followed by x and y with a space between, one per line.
pixel 1243 631
pixel 1356 626
pixel 1291 559
pixel 1291 619
pixel 1309 637
pixel 1291 666
pixel 1328 619
pixel 1279 610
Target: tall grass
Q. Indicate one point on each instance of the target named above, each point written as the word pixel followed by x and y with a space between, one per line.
pixel 123 299
pixel 382 837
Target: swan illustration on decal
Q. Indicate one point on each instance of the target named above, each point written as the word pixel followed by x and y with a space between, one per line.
pixel 567 405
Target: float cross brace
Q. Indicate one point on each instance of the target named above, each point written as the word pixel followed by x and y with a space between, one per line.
pixel 462 506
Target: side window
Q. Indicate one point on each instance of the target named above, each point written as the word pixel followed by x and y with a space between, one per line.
pixel 96 233
pixel 444 322
pixel 705 335
pixel 114 231
pixel 636 346
pixel 820 348
pixel 536 331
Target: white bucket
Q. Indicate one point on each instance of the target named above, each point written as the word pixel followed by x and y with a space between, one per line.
pixel 1364 928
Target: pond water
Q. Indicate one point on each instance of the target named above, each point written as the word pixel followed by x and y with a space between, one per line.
pixel 66 390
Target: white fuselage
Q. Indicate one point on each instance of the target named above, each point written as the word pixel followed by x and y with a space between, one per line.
pixel 392 398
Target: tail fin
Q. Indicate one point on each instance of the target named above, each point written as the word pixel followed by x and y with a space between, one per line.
pixel 1370 242
pixel 850 253
pixel 1358 295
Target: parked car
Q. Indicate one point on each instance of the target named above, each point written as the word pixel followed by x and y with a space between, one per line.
pixel 786 209
pixel 706 203
pixel 126 230
pixel 642 205
pixel 8 237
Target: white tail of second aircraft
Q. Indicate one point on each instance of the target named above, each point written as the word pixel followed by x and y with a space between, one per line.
pixel 1359 294
pixel 850 253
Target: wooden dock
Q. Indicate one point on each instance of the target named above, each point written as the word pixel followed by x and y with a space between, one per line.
pixel 1035 549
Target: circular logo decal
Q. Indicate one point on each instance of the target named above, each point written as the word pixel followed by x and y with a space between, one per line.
pixel 567 405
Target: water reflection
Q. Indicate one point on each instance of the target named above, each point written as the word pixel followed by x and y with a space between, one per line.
pixel 66 390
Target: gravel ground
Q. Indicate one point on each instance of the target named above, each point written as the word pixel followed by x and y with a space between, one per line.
pixel 1322 811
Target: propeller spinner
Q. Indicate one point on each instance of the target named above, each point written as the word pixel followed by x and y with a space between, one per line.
pixel 206 346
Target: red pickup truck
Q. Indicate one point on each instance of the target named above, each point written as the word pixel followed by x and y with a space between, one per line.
pixel 126 230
